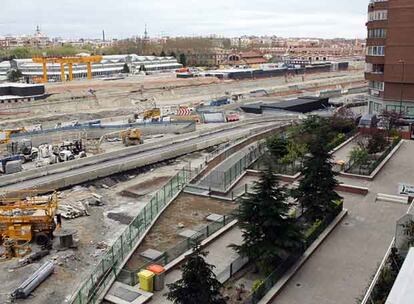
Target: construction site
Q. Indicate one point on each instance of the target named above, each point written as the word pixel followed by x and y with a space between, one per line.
pixel 103 178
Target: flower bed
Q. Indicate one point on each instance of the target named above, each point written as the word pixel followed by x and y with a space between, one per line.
pixel 371 163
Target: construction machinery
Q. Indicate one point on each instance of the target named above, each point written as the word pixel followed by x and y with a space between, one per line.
pixel 131 137
pixel 30 219
pixel 153 114
pixel 70 61
pixel 24 148
pixel 5 135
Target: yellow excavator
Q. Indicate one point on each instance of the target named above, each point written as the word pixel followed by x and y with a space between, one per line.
pixel 5 135
pixel 131 137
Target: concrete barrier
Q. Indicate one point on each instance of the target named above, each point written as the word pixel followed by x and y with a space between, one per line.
pixel 75 164
pixel 96 132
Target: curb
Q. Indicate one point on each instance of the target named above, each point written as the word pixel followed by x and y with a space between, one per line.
pixel 379 167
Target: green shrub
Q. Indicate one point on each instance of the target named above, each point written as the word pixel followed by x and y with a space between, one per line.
pixel 359 156
pixel 312 228
pixel 257 284
pixel 339 139
pixel 377 143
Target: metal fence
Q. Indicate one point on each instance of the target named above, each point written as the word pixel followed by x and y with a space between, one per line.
pixel 130 277
pixel 111 264
pixel 286 264
pixel 233 268
pixel 221 181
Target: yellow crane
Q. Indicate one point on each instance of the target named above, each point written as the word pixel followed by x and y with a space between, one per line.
pixel 70 61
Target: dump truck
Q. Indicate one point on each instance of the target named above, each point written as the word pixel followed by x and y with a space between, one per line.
pixel 131 137
pixel 31 219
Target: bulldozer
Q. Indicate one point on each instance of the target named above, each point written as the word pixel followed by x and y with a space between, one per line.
pixel 31 219
pixel 131 137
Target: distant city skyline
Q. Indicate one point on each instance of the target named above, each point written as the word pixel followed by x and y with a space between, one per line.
pixel 126 18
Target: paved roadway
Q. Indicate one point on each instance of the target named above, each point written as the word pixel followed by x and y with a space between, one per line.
pixel 43 181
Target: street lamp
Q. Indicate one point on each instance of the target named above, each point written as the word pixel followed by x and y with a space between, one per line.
pixel 402 83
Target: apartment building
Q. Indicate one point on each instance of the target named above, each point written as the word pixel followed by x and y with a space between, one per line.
pixel 390 56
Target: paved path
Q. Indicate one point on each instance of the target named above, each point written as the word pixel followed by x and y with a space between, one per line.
pixel 341 269
pixel 219 255
pixel 216 178
pixel 344 152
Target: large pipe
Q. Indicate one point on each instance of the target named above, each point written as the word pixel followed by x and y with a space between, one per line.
pixel 26 288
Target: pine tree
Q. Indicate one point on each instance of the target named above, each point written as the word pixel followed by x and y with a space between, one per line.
pixel 316 191
pixel 277 146
pixel 125 69
pixel 269 233
pixel 183 59
pixel 198 284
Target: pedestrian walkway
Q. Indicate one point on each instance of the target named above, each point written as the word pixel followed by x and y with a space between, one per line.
pixel 343 153
pixel 342 267
pixel 220 255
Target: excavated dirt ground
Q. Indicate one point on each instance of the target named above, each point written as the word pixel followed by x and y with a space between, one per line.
pixel 188 210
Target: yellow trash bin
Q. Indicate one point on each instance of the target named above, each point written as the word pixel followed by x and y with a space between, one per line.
pixel 146 280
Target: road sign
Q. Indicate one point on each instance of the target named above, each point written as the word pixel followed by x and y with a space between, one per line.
pixel 407 190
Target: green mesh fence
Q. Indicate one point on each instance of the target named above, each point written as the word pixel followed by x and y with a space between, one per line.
pixel 110 265
pixel 131 277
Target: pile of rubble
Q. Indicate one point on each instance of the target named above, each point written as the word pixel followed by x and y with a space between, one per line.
pixel 76 202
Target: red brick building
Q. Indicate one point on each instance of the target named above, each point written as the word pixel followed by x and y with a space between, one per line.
pixel 390 56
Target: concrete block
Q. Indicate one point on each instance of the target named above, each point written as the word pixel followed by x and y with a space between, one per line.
pixel 215 217
pixel 152 254
pixel 188 233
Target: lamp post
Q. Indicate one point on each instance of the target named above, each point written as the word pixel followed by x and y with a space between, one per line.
pixel 402 84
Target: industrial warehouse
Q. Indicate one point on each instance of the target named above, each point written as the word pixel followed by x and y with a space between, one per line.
pixel 107 67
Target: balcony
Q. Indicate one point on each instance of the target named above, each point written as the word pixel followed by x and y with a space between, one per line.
pixel 375 5
pixel 372 76
pixel 375 59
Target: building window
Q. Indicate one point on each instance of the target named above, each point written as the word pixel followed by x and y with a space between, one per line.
pixel 376 85
pixel 374 68
pixel 378 15
pixel 410 111
pixel 377 33
pixel 376 50
pixel 392 108
pixel 377 107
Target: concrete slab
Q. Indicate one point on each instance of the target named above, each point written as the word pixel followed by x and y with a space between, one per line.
pixel 152 254
pixel 188 233
pixel 215 217
pixel 124 294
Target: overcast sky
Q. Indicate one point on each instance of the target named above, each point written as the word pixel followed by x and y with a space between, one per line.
pixel 125 18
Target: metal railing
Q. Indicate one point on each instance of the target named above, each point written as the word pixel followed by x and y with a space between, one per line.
pixel 130 277
pixel 233 268
pixel 111 264
pixel 221 181
pixel 368 168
